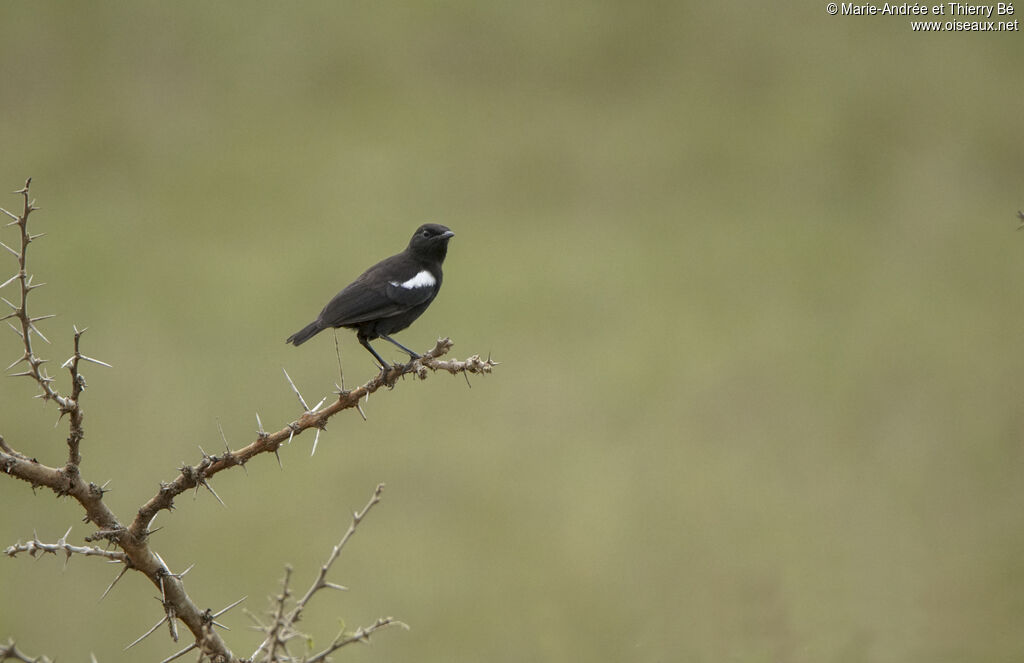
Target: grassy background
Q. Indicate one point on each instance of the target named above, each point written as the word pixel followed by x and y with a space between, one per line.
pixel 751 272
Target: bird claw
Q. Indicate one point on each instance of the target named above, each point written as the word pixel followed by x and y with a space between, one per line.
pixel 391 372
pixel 385 375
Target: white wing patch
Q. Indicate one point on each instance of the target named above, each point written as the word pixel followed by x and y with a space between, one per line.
pixel 423 279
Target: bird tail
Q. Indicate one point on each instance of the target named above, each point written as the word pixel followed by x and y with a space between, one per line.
pixel 306 333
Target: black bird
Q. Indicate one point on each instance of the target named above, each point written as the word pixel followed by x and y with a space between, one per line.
pixel 389 296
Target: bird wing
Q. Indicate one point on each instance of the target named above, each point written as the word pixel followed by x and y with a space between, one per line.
pixel 413 291
pixel 374 295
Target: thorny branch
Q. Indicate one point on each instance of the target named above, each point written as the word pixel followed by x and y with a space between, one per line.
pixel 361 634
pixel 133 539
pixel 26 327
pixel 35 548
pixel 192 476
pixel 281 628
pixel 321 578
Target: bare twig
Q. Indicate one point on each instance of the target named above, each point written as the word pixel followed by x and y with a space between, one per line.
pixel 337 351
pixel 35 548
pixel 10 651
pixel 281 628
pixel 67 480
pixel 361 634
pixel 67 404
pixel 275 637
pixel 321 578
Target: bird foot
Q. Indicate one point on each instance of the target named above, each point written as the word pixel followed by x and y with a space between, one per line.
pixel 390 373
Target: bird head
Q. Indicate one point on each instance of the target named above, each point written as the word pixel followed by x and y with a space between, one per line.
pixel 430 241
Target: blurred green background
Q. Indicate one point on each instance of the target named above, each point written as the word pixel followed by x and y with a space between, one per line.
pixel 751 271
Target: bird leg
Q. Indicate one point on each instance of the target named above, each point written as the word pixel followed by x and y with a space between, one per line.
pixel 411 354
pixel 384 367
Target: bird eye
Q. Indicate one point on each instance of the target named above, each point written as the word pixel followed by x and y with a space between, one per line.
pixel 425 233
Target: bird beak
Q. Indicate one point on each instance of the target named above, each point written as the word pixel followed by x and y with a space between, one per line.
pixel 447 234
